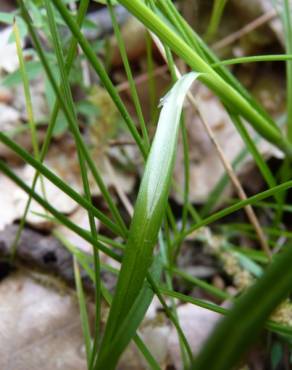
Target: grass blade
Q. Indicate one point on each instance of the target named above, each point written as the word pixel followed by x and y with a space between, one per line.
pixel 57 181
pixel 248 316
pixel 82 309
pixel 214 81
pixel 217 11
pixel 149 209
pixel 70 118
pixel 126 331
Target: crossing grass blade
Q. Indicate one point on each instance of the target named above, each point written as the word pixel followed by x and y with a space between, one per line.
pixel 217 11
pixel 99 69
pixel 228 94
pixel 84 234
pixel 70 116
pixel 83 309
pixel 57 181
pixel 248 316
pixel 53 117
pixel 108 358
pixel 149 210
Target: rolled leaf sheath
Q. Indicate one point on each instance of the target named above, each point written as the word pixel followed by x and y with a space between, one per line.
pixel 149 207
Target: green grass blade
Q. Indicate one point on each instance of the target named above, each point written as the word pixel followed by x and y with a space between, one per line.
pixel 108 357
pixel 130 79
pixel 69 101
pixel 82 309
pixel 254 59
pixel 149 208
pixel 59 183
pixel 153 364
pixel 32 126
pixel 286 14
pixel 27 95
pixel 270 325
pixel 248 316
pixel 52 121
pixel 214 81
pixel 59 216
pixel 202 284
pixel 70 118
pixel 99 69
pixel 217 11
pixel 239 205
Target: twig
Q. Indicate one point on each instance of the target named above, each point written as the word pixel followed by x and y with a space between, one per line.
pixel 142 78
pixel 228 168
pixel 266 17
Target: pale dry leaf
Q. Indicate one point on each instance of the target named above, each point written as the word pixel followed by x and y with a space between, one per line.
pixel 13 200
pixel 197 323
pixel 39 327
pixel 206 168
pixel 8 56
pixel 80 218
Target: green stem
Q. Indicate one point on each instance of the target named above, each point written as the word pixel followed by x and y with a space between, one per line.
pixel 214 81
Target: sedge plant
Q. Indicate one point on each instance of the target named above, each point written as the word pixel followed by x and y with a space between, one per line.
pixel 146 270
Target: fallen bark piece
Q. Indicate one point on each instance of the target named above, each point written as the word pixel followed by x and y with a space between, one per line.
pixel 42 252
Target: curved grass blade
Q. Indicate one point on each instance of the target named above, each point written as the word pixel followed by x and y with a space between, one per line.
pixel 70 117
pixel 228 94
pixel 254 59
pixel 99 69
pixel 84 234
pixel 217 12
pixel 248 316
pixel 131 322
pixel 237 206
pixel 149 210
pixel 57 181
pixel 53 117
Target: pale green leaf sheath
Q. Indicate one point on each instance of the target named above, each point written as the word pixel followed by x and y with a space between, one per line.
pixel 149 208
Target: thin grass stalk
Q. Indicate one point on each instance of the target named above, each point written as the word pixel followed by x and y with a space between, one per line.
pixel 216 15
pixel 32 126
pixel 201 284
pixel 53 117
pixel 288 36
pixel 70 119
pixel 99 69
pixel 254 59
pixel 270 325
pixel 60 183
pixel 207 54
pixel 186 158
pixel 130 79
pixel 59 216
pixel 151 78
pixel 69 101
pixel 82 309
pixel 237 206
pixel 166 257
pixel 248 316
